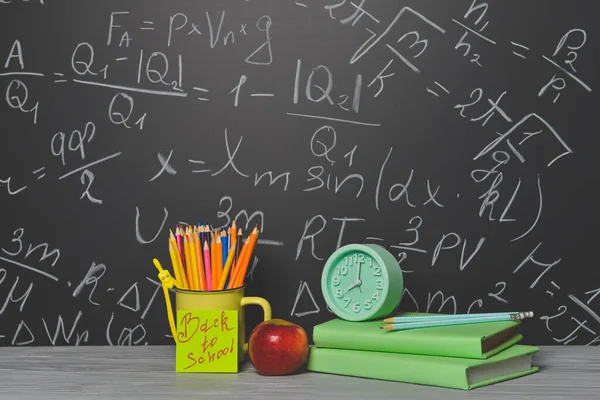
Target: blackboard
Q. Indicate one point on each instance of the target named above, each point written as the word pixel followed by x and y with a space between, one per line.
pixel 459 135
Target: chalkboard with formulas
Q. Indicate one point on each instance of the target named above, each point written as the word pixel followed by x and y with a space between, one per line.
pixel 460 135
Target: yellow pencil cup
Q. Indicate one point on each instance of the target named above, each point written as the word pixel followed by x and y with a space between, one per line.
pixel 220 300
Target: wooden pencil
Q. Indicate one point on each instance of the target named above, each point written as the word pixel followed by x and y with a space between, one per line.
pixel 227 269
pixel 238 246
pixel 451 322
pixel 182 279
pixel 193 259
pixel 238 265
pixel 246 261
pixel 207 266
pixel 233 235
pixel 224 247
pixel 199 263
pixel 189 273
pixel 173 254
pixel 179 244
pixel 213 261
pixel 218 259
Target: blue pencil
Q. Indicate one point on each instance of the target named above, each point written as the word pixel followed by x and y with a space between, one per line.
pixel 462 321
pixel 225 248
pixel 436 317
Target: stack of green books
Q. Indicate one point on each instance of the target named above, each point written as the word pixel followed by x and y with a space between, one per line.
pixel 459 356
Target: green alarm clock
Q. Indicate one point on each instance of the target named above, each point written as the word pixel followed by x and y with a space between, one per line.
pixel 362 282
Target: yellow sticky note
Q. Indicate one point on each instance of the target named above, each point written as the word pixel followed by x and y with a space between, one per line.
pixel 207 341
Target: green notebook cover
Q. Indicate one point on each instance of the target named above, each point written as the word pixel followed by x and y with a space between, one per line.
pixel 456 373
pixel 465 341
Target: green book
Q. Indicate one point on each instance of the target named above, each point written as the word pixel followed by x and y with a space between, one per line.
pixel 465 341
pixel 457 373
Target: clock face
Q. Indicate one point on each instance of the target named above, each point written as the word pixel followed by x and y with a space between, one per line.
pixel 356 285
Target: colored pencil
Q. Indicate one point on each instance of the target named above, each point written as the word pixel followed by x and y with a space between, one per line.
pixel 226 269
pixel 207 267
pixel 236 258
pixel 199 263
pixel 238 264
pixel 242 273
pixel 189 274
pixel 173 254
pixel 238 245
pixel 208 259
pixel 193 259
pixel 233 235
pixel 242 263
pixel 224 247
pixel 213 260
pixel 179 244
pixel 434 317
pixel 432 324
pixel 218 257
pixel 182 279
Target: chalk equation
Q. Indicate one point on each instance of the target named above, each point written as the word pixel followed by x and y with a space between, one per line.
pixel 320 123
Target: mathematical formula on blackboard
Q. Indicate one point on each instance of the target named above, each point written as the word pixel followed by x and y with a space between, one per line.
pixel 459 136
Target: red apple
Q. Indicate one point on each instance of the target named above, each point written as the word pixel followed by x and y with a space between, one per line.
pixel 277 347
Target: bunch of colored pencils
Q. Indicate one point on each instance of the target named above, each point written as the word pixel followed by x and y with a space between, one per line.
pixel 430 321
pixel 210 259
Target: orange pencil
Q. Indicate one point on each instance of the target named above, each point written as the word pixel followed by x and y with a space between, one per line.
pixel 242 274
pixel 238 264
pixel 200 264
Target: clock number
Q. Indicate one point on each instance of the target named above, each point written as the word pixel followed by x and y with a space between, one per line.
pixel 367 304
pixel 346 260
pixel 370 262
pixel 342 270
pixel 336 280
pixel 338 293
pixel 375 296
pixel 356 307
pixel 361 258
pixel 347 303
pixel 379 284
pixel 377 270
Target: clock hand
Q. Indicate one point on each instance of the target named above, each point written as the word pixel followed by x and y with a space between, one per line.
pixel 358 281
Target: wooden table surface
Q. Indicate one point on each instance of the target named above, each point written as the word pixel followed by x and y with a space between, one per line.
pixel 566 372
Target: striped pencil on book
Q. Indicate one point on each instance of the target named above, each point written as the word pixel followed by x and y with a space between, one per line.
pixel 403 323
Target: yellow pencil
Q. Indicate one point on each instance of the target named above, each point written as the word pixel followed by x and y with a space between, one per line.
pixel 227 268
pixel 188 263
pixel 175 266
pixel 180 271
pixel 194 260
